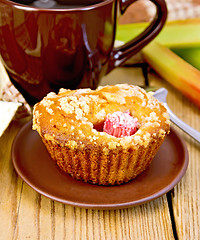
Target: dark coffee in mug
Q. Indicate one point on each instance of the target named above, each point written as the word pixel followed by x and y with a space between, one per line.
pixel 58 4
pixel 67 45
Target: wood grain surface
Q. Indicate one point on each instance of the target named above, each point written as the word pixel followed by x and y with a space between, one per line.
pixel 25 214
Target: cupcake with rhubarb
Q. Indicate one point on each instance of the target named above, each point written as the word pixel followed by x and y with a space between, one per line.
pixel 106 136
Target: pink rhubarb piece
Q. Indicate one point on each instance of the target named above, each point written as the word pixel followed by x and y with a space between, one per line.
pixel 120 124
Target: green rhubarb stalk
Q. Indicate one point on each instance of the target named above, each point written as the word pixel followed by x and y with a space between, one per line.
pixel 175 34
pixel 174 69
pixel 190 55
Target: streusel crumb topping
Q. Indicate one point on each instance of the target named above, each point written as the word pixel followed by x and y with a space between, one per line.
pixel 74 117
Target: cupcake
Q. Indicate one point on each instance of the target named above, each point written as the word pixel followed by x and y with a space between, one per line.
pixel 105 136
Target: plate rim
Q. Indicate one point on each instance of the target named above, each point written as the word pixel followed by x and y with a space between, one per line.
pixel 108 206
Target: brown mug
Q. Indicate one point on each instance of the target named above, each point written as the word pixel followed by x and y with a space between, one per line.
pixel 48 45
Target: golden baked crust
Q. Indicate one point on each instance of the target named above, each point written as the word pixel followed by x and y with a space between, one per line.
pixel 70 125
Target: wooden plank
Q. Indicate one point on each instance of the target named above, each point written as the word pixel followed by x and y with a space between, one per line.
pixel 53 220
pixel 10 186
pixel 186 200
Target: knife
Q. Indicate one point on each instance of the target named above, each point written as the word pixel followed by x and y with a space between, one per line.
pixel 161 95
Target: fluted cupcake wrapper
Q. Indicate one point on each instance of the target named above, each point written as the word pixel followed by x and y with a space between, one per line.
pixel 94 166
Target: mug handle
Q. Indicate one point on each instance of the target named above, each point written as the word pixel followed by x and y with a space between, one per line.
pixel 120 54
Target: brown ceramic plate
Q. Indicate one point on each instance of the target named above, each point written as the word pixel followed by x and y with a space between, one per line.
pixel 34 165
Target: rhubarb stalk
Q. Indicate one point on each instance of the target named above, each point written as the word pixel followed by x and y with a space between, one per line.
pixel 176 34
pixel 174 69
pixel 190 55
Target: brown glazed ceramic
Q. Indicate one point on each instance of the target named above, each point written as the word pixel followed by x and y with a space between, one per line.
pixel 46 49
pixel 35 166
